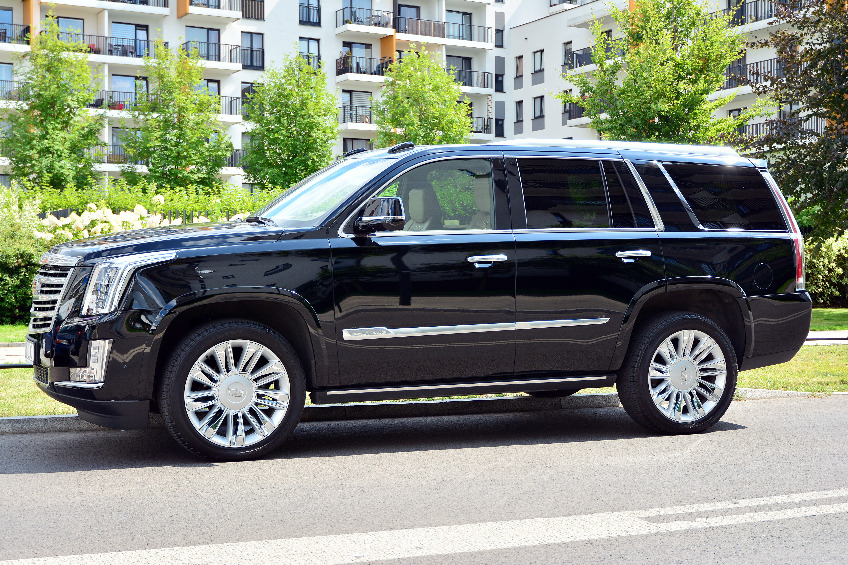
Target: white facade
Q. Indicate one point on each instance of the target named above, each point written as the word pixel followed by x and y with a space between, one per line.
pixel 355 39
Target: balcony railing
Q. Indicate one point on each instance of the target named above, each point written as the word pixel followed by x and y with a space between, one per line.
pixel 14 33
pixel 749 12
pixel 116 99
pixel 253 59
pixel 116 46
pixel 362 65
pixel 756 73
pixel 481 125
pixel 310 15
pixel 232 5
pixel 579 58
pixel 115 155
pixel 363 16
pixel 231 105
pixel 215 51
pixel 153 3
pixel 443 29
pixel 355 115
pixel 475 79
pixel 573 110
pixel 812 123
pixel 10 90
pixel 253 9
pixel 312 60
pixel 234 160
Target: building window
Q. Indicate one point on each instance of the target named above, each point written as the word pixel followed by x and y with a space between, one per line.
pixel 310 12
pixel 519 66
pixel 129 40
pixel 207 41
pixel 71 26
pixel 458 25
pixel 246 92
pixel 252 51
pixel 310 50
pixel 499 33
pixel 499 127
pixel 7 80
pixel 538 61
pixel 519 111
pixel 539 107
pixel 499 83
pixel 353 143
pixel 461 69
pixel 567 53
pixel 212 86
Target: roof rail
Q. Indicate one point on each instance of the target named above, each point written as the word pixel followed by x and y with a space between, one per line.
pixel 354 152
pixel 404 146
pixel 623 146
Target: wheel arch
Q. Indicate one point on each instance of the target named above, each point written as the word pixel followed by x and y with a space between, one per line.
pixel 285 313
pixel 719 300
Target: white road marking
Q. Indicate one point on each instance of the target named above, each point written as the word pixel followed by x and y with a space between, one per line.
pixel 464 538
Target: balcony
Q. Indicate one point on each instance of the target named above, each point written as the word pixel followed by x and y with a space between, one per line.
pixel 253 9
pixel 310 15
pixel 363 17
pixel 362 65
pixel 444 30
pixel 151 3
pixel 202 12
pixel 576 59
pixel 472 79
pixel 234 160
pixel 312 60
pixel 231 105
pixel 10 90
pixel 112 46
pixel 752 73
pixel 14 33
pixel 355 115
pixel 115 155
pixel 750 12
pixel 252 59
pixel 481 125
pixel 809 123
pixel 573 111
pixel 116 100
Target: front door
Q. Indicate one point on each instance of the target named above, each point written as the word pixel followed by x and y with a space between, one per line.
pixel 435 301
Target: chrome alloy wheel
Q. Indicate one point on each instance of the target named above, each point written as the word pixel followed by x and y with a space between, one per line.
pixel 237 393
pixel 687 376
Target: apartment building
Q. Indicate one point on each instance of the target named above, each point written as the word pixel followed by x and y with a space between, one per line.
pixel 508 55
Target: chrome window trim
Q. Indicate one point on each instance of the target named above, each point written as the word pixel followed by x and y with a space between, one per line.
pixel 360 334
pixel 649 200
pixel 683 200
pixel 583 230
pixel 435 158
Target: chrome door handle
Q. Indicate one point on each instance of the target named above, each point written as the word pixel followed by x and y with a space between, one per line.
pixel 631 256
pixel 484 261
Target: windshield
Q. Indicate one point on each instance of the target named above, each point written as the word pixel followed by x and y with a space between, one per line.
pixel 312 200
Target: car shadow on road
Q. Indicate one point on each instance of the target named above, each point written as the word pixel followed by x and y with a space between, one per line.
pixel 108 449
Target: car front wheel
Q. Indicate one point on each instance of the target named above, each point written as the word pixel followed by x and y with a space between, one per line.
pixel 679 375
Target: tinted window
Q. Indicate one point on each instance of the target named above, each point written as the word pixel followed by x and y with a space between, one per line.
pixel 628 208
pixel 724 196
pixel 563 193
pixel 668 204
pixel 447 195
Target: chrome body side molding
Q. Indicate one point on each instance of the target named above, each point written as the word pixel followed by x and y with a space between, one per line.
pixel 357 334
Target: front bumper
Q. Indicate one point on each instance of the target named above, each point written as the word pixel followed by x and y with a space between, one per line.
pixel 117 414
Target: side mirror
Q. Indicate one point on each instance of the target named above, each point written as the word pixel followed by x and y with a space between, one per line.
pixel 381 214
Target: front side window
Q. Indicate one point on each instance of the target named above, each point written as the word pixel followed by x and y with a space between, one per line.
pixel 446 195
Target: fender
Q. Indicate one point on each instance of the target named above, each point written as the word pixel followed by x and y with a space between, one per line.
pixel 667 288
pixel 189 301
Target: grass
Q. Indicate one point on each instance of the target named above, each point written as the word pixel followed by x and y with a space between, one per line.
pixel 829 319
pixel 20 397
pixel 819 369
pixel 12 333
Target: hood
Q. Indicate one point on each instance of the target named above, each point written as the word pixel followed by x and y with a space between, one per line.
pixel 177 238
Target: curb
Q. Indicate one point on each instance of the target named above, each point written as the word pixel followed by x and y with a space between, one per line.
pixel 353 411
pixel 386 410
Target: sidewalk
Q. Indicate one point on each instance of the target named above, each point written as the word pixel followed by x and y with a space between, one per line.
pixel 11 353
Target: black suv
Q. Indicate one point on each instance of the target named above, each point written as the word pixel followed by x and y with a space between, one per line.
pixel 542 267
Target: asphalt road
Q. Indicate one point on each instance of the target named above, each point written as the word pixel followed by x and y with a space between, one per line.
pixel 768 484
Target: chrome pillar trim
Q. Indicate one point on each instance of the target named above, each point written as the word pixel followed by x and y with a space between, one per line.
pixel 559 323
pixel 357 334
pixel 683 201
pixel 652 207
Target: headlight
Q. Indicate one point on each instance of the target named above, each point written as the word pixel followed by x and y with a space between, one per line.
pixel 109 279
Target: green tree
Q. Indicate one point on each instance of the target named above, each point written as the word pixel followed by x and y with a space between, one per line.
pixel 175 128
pixel 295 124
pixel 654 81
pixel 51 137
pixel 806 143
pixel 422 103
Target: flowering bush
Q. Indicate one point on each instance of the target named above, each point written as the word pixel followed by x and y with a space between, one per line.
pixel 19 255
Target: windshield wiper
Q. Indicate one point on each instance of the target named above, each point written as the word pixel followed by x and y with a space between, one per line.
pixel 260 220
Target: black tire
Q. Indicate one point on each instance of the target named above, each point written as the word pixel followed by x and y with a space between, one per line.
pixel 241 418
pixel 685 389
pixel 551 393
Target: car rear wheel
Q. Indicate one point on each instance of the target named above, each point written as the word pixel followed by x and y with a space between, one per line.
pixel 232 390
pixel 679 375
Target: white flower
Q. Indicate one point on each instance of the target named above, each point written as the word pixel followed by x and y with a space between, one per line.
pixel 84 234
pixel 65 233
pixel 238 217
pixel 154 220
pixel 92 206
pixel 201 220
pixel 50 221
pixel 139 210
pixel 159 199
pixel 78 225
pixel 177 221
pixel 43 235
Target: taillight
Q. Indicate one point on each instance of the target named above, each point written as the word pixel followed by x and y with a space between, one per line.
pixel 797 238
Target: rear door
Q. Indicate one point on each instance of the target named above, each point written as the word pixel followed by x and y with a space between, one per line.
pixel 587 247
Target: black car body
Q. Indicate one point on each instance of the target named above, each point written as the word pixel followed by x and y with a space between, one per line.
pixel 522 266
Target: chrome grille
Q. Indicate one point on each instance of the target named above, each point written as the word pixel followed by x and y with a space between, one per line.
pixel 47 289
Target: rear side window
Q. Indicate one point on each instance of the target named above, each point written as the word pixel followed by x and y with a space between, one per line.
pixel 727 197
pixel 671 209
pixel 581 193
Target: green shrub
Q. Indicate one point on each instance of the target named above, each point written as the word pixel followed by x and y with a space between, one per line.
pixel 827 269
pixel 20 252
